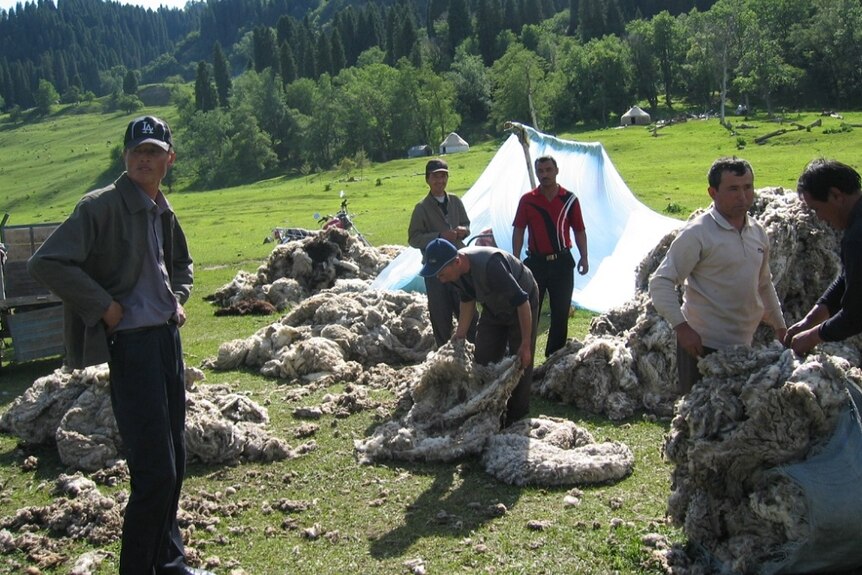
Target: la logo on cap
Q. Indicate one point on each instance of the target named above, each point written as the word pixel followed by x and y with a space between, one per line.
pixel 147 128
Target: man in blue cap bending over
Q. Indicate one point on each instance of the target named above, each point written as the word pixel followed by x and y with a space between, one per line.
pixel 510 307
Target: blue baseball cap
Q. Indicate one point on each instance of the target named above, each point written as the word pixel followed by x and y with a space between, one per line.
pixel 438 254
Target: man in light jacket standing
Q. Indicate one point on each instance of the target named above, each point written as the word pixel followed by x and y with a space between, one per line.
pixel 722 259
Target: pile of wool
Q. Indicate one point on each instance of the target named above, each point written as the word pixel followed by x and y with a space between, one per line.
pixel 297 269
pixel 550 451
pixel 72 408
pixel 455 406
pixel 756 412
pixel 628 360
pixel 331 333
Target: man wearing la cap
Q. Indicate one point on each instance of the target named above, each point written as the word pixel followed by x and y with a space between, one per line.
pixel 121 265
pixel 440 215
pixel 510 307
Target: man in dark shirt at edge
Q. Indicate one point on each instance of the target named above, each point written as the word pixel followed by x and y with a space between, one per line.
pixel 832 191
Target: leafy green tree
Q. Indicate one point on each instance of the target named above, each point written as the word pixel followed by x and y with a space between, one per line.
pixel 129 103
pixel 515 80
pixel 639 34
pixel 424 106
pixel 365 114
pixel 472 86
pixel 288 64
pixel 668 42
pixel 831 45
pixel 221 75
pixel 717 34
pixel 46 96
pixel 130 83
pixel 608 77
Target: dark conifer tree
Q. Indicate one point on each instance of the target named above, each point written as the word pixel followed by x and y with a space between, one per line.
pixel 591 20
pixel 460 27
pixel 206 97
pixel 489 22
pixel 221 75
pixel 324 54
pixel 573 18
pixel 288 64
pixel 130 83
pixel 339 59
pixel 512 16
pixel 265 53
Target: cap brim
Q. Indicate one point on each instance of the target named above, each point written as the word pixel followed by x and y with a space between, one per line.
pixel 439 170
pixel 160 143
pixel 429 270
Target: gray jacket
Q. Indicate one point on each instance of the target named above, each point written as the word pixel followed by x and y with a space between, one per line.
pixel 95 257
pixel 428 221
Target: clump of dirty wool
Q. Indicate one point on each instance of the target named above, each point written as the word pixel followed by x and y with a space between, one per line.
pixel 335 333
pixel 72 409
pixel 550 451
pixel 456 406
pixel 755 411
pixel 297 269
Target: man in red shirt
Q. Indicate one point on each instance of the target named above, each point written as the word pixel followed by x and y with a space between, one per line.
pixel 548 212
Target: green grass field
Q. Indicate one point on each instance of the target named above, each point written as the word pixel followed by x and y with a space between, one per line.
pixel 435 513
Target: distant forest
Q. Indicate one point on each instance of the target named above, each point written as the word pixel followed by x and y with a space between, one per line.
pixel 306 84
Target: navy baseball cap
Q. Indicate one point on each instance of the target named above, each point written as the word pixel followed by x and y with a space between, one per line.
pixel 438 254
pixel 148 130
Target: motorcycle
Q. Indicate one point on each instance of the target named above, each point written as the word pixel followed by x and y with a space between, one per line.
pixel 342 219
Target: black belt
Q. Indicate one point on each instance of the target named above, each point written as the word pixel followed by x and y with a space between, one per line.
pixel 144 328
pixel 550 257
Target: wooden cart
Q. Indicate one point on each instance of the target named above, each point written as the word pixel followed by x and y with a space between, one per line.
pixel 31 317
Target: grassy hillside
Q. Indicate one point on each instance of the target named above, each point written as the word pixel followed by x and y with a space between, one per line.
pixel 385 515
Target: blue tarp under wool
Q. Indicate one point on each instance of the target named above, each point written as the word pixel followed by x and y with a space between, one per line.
pixel 621 231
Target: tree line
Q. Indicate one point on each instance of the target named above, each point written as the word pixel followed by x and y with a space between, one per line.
pixel 285 85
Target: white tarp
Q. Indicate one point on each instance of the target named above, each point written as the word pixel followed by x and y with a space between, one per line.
pixel 620 229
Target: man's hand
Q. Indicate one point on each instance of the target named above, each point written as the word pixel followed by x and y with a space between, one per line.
pixel 689 339
pixel 112 316
pixel 804 341
pixel 583 266
pixel 180 315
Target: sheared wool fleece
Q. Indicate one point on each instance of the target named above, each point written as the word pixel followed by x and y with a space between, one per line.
pixel 73 410
pixel 455 406
pixel 550 451
pixel 298 269
pixel 755 409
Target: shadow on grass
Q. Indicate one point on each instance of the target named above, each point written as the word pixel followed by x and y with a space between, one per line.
pixel 460 500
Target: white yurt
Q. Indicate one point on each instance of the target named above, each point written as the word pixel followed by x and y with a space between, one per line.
pixel 635 117
pixel 453 144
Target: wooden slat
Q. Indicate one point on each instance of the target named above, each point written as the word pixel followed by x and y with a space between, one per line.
pixel 37 333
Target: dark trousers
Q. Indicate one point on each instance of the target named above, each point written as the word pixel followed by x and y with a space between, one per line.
pixel 495 337
pixel 149 401
pixel 557 278
pixel 444 303
pixel 686 368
